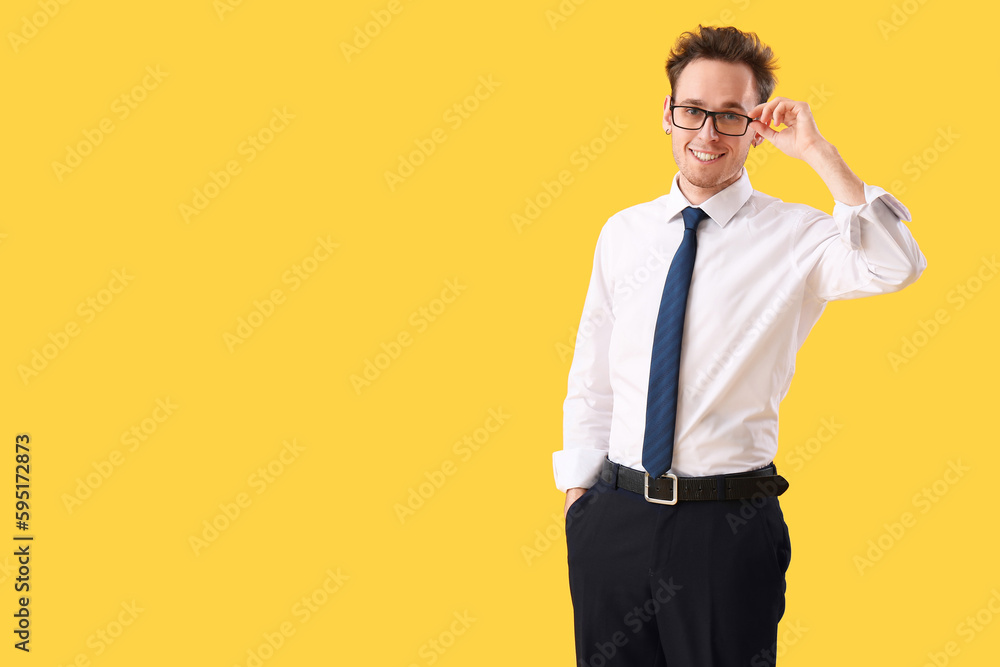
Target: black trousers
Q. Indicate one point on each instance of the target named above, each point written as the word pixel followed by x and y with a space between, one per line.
pixel 696 584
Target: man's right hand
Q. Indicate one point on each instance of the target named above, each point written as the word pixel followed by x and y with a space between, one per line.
pixel 572 495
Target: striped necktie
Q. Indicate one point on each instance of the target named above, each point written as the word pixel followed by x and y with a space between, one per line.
pixel 665 362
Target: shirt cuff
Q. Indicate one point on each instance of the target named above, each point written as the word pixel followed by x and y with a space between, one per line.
pixel 577 467
pixel 879 201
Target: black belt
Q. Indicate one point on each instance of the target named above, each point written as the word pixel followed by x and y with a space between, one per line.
pixel 667 490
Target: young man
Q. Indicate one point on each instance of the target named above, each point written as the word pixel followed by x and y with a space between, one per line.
pixel 696 307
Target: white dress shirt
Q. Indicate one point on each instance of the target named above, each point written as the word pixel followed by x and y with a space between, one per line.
pixel 762 276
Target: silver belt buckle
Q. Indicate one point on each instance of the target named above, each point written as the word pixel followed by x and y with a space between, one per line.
pixel 668 475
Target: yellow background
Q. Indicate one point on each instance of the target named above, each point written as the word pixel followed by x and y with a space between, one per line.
pixel 886 80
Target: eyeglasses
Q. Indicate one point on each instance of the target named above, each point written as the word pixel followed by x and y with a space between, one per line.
pixel 726 122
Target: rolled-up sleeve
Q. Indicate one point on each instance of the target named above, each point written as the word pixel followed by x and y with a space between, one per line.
pixel 588 405
pixel 860 251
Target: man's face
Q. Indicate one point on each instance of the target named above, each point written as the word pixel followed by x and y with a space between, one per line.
pixel 709 161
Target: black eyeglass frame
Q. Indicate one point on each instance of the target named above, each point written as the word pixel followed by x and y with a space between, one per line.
pixel 713 114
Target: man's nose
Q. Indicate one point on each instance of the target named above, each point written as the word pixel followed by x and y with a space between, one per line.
pixel 707 131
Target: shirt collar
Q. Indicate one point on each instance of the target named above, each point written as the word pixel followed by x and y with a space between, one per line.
pixel 721 207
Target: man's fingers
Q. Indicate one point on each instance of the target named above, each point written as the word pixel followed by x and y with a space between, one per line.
pixel 763 130
pixel 784 110
pixel 777 112
pixel 768 110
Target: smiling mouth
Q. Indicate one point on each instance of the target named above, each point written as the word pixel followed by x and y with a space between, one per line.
pixel 705 157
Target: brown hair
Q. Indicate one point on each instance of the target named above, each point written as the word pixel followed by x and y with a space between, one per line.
pixel 727 44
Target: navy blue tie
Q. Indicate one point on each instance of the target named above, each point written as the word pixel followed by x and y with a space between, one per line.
pixel 665 363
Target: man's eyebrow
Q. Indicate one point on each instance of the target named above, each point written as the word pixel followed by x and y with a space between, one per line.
pixel 701 103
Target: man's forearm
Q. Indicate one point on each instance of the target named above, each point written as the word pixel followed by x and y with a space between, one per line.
pixel 844 184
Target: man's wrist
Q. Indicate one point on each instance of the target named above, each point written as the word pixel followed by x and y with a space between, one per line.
pixel 572 495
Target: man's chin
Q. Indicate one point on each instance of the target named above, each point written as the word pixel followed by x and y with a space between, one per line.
pixel 704 182
pixel 700 179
